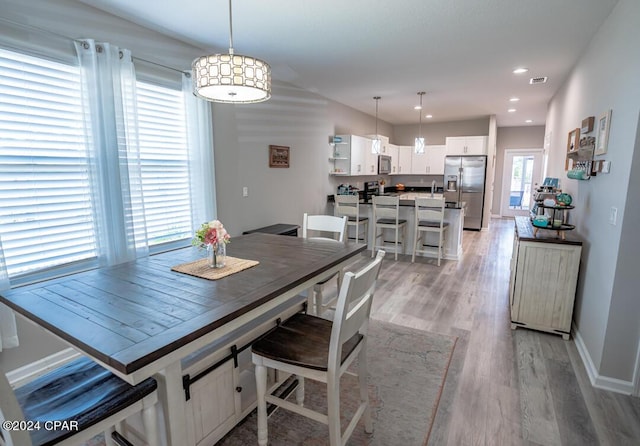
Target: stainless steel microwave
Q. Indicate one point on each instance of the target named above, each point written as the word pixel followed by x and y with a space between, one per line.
pixel 384 164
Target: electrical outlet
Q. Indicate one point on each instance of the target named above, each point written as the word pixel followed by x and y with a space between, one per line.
pixel 245 191
pixel 613 215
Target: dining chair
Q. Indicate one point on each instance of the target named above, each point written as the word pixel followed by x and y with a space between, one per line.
pixel 325 225
pixel 386 211
pixel 84 396
pixel 349 205
pixel 429 218
pixel 310 347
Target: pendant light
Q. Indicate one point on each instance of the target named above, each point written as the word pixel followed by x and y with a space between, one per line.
pixel 375 148
pixel 231 77
pixel 419 144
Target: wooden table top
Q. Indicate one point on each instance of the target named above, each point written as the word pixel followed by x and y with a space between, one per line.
pixel 526 232
pixel 132 314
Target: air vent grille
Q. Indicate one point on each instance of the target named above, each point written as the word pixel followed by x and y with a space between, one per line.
pixel 538 80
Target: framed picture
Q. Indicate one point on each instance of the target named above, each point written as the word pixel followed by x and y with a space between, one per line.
pixel 278 156
pixel 573 141
pixel 602 141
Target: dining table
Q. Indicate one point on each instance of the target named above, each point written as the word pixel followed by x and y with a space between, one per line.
pixel 141 318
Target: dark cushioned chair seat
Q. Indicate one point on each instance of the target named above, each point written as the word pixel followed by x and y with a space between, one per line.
pixel 81 391
pixel 302 340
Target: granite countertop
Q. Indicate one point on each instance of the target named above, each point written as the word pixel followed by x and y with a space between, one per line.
pixel 407 196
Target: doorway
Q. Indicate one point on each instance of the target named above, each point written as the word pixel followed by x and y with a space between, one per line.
pixel 522 172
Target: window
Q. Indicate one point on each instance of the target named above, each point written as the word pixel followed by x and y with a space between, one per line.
pixel 162 133
pixel 46 214
pixel 48 193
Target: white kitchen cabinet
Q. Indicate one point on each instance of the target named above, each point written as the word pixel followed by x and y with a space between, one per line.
pixel 349 155
pixel 371 158
pixel 401 163
pixel 431 162
pixel 467 145
pixel 544 275
pixel 385 146
pixel 435 159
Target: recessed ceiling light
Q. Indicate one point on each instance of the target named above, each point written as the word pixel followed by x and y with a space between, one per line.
pixel 529 121
pixel 514 99
pixel 418 107
pixel 511 110
pixel 520 70
pixel 429 116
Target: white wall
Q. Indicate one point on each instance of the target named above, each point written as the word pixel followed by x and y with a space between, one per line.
pixel 531 137
pixel 607 307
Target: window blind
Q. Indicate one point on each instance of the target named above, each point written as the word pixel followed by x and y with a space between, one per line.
pixel 46 216
pixel 162 133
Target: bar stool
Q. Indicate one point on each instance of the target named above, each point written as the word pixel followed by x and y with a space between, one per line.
pixel 329 225
pixel 349 205
pixel 321 350
pixel 386 211
pixel 429 218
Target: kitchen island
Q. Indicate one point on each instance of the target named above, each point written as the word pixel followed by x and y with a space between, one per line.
pixel 453 215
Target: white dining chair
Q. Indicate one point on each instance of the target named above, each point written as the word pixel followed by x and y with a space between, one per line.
pixel 349 205
pixel 429 218
pixel 319 227
pixel 386 215
pixel 86 396
pixel 310 347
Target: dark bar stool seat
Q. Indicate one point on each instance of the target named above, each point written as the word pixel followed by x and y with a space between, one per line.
pixel 81 392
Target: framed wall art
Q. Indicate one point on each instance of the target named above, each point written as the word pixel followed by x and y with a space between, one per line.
pixel 278 156
pixel 573 140
pixel 602 140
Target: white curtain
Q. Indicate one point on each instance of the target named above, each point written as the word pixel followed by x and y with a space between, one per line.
pixel 8 333
pixel 201 163
pixel 109 85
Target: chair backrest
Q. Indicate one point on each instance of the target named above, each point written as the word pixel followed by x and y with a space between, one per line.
pixel 430 209
pixel 386 207
pixel 337 226
pixel 353 308
pixel 10 410
pixel 348 205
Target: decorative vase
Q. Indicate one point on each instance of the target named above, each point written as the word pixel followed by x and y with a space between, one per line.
pixel 217 254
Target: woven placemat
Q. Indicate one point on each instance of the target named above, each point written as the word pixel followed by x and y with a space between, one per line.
pixel 201 268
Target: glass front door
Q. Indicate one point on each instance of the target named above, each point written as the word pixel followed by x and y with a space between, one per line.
pixel 522 172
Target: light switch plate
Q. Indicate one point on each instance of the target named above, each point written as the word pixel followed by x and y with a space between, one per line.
pixel 613 215
pixel 245 191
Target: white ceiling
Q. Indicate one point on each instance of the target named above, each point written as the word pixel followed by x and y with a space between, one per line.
pixel 461 52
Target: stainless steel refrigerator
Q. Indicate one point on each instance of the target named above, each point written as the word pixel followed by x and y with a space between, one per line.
pixel 464 179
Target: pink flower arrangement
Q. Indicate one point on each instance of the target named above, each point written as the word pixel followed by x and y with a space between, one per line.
pixel 211 233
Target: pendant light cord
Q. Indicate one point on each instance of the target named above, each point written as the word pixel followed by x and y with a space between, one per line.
pixel 377 98
pixel 420 116
pixel 230 29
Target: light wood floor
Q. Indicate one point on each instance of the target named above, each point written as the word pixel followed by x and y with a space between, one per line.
pixel 504 387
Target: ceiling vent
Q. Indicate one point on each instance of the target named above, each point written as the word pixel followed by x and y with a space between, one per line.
pixel 538 80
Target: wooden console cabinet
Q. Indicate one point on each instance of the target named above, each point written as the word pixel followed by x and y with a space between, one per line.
pixel 544 275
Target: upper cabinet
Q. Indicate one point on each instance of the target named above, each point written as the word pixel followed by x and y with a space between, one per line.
pixel 431 162
pixel 435 157
pixel 401 160
pixel 349 155
pixel 466 145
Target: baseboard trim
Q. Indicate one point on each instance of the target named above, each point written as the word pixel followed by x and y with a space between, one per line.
pixel 31 371
pixel 597 380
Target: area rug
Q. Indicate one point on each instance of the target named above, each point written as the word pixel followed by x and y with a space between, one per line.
pixel 407 370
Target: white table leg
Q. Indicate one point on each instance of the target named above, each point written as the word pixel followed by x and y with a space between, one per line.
pixel 171 395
